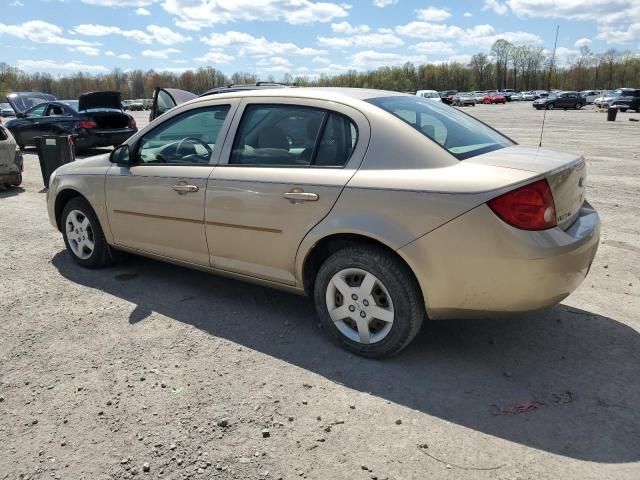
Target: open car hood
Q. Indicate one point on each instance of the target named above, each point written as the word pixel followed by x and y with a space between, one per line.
pixel 92 100
pixel 23 101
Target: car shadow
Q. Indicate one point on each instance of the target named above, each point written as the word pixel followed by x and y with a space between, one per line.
pixel 6 192
pixel 562 380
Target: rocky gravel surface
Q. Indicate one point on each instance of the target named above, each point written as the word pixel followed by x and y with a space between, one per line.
pixel 148 370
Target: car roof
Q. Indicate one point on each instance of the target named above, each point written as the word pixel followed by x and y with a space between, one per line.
pixel 318 93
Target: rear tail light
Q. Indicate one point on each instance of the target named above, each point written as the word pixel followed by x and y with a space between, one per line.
pixel 529 208
pixel 86 124
pixel 132 123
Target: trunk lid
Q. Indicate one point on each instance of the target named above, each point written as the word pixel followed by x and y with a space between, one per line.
pixel 565 172
pixel 96 100
pixel 23 101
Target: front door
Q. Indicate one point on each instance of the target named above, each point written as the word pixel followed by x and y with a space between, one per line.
pixel 279 176
pixel 164 99
pixel 156 205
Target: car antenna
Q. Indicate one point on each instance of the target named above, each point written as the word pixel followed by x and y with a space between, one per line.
pixel 553 58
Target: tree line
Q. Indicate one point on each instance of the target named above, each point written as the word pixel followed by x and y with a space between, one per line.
pixel 521 67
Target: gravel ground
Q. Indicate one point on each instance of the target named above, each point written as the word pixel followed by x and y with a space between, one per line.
pixel 148 370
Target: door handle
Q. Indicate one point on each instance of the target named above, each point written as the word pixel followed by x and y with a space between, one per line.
pixel 184 188
pixel 298 195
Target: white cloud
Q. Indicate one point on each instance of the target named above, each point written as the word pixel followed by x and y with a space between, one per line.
pixel 322 60
pixel 348 29
pixel 164 53
pixel 53 66
pixel 143 12
pixel 372 59
pixel 16 3
pixel 432 14
pixel 93 51
pixel 197 14
pixel 434 48
pixel 154 33
pixel 582 42
pixel 123 56
pixel 119 3
pixel 40 32
pixel 256 46
pixel 468 14
pixel 215 57
pixel 496 7
pixel 384 3
pixel 274 64
pixel 482 36
pixel 369 40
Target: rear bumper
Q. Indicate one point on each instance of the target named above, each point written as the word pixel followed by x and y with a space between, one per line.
pixel 102 138
pixel 477 265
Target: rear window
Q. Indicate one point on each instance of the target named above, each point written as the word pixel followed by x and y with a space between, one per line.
pixel 460 134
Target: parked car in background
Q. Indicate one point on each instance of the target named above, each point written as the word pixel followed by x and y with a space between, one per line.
pixel 216 184
pixel 493 97
pixel 462 99
pixel 506 93
pixel 136 105
pixel 540 94
pixel 6 111
pixel 562 100
pixel 589 96
pixel 98 120
pixel 622 98
pixel 479 96
pixel 429 94
pixel 10 160
pixel 528 96
pixel 516 97
pixel 447 96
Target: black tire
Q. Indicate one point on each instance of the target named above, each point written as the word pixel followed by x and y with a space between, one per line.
pixel 623 110
pixel 18 182
pixel 102 254
pixel 21 147
pixel 638 109
pixel 578 106
pixel 405 293
pixel 551 106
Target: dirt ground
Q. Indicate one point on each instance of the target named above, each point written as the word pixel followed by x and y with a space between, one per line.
pixel 147 366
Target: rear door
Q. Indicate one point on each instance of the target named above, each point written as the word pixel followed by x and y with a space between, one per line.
pixel 164 99
pixel 284 165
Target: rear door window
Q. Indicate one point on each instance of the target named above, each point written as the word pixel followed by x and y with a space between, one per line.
pixel 293 136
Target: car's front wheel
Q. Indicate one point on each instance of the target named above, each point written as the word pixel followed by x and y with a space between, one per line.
pixel 578 106
pixel 369 301
pixel 83 235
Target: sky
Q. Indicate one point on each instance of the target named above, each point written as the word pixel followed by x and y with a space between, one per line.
pixel 302 37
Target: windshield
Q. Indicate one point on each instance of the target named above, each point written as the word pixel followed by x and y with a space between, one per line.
pixel 460 134
pixel 71 103
pixel 553 95
pixel 615 93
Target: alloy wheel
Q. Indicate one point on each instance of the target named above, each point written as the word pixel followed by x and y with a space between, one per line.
pixel 360 305
pixel 80 234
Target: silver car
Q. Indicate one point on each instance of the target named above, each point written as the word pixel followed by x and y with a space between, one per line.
pixel 388 209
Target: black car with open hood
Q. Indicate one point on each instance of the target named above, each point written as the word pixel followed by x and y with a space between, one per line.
pixel 98 120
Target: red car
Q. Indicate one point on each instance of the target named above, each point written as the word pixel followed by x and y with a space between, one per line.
pixel 493 97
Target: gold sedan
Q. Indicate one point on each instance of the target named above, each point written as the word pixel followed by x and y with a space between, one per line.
pixel 387 208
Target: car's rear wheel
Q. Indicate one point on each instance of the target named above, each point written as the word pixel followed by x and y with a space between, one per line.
pixel 369 301
pixel 83 235
pixel 623 110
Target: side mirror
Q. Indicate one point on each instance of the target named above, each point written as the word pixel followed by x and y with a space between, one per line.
pixel 20 115
pixel 120 155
